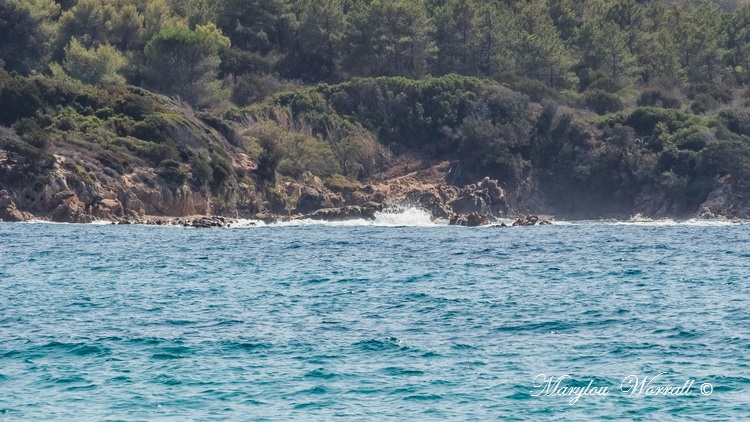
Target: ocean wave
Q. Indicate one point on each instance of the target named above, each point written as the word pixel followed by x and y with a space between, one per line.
pixel 395 216
pixel 639 219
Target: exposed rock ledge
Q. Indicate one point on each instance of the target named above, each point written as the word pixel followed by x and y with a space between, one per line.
pixel 142 197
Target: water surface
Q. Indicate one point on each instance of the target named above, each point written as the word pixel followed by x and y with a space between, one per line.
pixel 316 322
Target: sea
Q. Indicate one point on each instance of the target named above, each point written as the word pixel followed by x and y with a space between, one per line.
pixel 399 318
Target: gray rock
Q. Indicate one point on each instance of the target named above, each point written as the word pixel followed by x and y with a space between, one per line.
pixel 310 200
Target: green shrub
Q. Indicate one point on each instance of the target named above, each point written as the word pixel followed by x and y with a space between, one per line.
pixel 703 103
pixel 156 153
pixel 134 106
pixel 645 119
pixel 536 90
pixel 26 161
pixel 602 102
pixel 112 160
pixel 200 169
pixel 18 99
pixel 736 120
pixel 171 172
pixel 719 93
pixel 726 156
pixel 657 97
pixel 30 131
pixel 151 129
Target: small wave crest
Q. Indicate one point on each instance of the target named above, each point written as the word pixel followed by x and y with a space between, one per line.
pixel 639 219
pixel 393 216
pixel 398 216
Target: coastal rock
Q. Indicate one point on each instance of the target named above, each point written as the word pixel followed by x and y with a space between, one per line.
pixel 531 220
pixel 209 222
pixel 8 210
pixel 310 200
pixel 109 208
pixel 431 201
pixel 470 220
pixel 717 203
pixel 469 203
pixel 70 209
pixel 355 212
pixel 485 197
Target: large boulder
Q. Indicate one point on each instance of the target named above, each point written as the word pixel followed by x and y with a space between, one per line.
pixel 470 220
pixel 310 200
pixel 531 220
pixel 70 209
pixel 469 202
pixel 8 209
pixel 209 222
pixel 355 212
pixel 485 197
pixel 109 208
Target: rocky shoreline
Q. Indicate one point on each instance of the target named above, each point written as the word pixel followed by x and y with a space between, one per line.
pixel 140 198
pixel 211 222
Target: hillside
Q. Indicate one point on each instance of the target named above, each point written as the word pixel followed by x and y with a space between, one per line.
pixel 123 109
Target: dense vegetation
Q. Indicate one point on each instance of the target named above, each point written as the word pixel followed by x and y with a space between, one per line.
pixel 593 99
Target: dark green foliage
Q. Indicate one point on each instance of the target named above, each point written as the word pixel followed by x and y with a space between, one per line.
pixel 18 99
pixel 200 170
pixel 726 157
pixel 22 161
pixel 249 89
pixel 220 172
pixel 720 93
pixel 695 141
pixel 185 63
pixel 156 153
pixel 151 129
pixel 221 126
pixel 171 172
pixel 407 113
pixel 240 62
pixel 736 120
pixel 602 102
pixel 645 119
pixel 26 97
pixel 703 103
pixel 23 37
pixel 655 97
pixel 537 91
pixel 134 106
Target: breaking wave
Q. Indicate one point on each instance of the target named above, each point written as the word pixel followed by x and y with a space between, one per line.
pixel 394 216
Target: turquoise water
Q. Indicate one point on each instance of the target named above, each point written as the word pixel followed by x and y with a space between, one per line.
pixel 371 323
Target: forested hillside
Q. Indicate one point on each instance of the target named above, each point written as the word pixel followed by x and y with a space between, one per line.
pixel 579 108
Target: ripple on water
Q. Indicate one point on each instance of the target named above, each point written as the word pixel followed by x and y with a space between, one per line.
pixel 369 323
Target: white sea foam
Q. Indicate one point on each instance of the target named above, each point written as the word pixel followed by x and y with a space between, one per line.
pixel 640 220
pixel 395 216
pixel 102 222
pixel 406 216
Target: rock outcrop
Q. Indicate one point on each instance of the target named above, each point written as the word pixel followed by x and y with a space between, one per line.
pixel 354 212
pixel 531 220
pixel 485 197
pixel 142 196
pixel 470 220
pixel 8 209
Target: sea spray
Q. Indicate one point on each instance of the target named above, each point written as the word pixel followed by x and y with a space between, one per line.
pixel 392 216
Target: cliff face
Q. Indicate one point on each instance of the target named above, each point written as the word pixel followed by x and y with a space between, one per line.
pixel 66 198
pixel 142 194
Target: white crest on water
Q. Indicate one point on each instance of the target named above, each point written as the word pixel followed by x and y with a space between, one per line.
pixel 393 216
